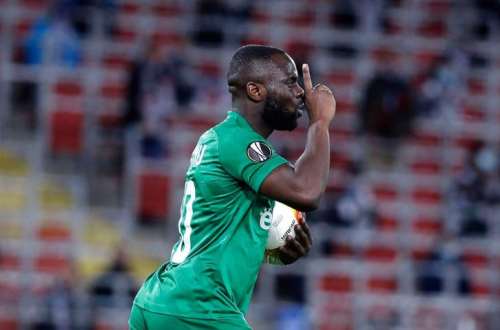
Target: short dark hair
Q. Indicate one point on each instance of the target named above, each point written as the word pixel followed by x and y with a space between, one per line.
pixel 247 64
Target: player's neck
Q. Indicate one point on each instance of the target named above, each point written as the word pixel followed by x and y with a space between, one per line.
pixel 254 118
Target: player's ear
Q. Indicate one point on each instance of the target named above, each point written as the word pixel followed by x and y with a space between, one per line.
pixel 256 92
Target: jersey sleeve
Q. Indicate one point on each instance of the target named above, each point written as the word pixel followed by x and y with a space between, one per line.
pixel 249 158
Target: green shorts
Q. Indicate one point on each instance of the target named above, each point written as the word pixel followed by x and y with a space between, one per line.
pixel 141 319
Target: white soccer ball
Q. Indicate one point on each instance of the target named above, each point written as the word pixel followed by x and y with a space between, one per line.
pixel 283 221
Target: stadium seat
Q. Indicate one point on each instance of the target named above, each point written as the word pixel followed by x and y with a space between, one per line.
pixel 168 38
pixel 167 9
pixel 66 132
pixel 68 88
pixel 427 226
pixel 385 192
pixel 54 197
pixel 9 323
pixel 51 263
pixel 387 223
pixel 476 86
pixel 153 195
pixel 116 61
pixel 12 164
pixel 303 18
pixel 434 28
pixel 473 114
pixel 426 166
pixel 125 34
pixel 426 195
pixel 475 258
pixel 336 283
pixel 50 230
pixel 113 90
pixel 128 7
pixel 9 260
pixel 13 197
pixel 380 253
pixel 382 284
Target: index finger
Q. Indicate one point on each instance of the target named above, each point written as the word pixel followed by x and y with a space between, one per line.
pixel 307 77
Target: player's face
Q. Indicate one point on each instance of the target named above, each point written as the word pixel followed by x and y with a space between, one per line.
pixel 284 102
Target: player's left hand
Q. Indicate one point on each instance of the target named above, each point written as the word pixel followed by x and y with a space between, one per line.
pixel 298 247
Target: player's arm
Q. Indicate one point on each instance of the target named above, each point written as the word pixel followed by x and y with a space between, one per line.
pixel 301 186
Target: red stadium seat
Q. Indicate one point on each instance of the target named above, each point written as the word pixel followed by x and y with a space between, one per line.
pixel 440 7
pixel 154 195
pixel 22 27
pixel 124 34
pixel 427 57
pixel 341 78
pixel 68 88
pixel 36 4
pixel 9 323
pixel 10 261
pixel 387 223
pixel 339 160
pixel 129 7
pixel 385 192
pixel 427 226
pixel 475 258
pixel 303 18
pixel 476 86
pixel 49 263
pixel 427 139
pixel 380 253
pixel 338 283
pixel 53 231
pixel 66 132
pixel 113 90
pixel 426 195
pixel 475 114
pixel 426 166
pixel 384 54
pixel 167 9
pixel 433 29
pixel 116 61
pixel 382 284
pixel 168 38
pixel 420 253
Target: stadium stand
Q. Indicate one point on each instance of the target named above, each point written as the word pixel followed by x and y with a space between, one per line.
pixel 77 182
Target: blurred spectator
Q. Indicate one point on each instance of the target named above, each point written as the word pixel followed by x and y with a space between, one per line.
pixel 443 267
pixel 487 18
pixel 116 286
pixel 23 104
pixel 82 17
pixel 343 15
pixel 477 186
pixel 53 40
pixel 387 106
pixel 439 87
pixel 209 27
pixel 355 206
pixel 63 306
pixel 157 86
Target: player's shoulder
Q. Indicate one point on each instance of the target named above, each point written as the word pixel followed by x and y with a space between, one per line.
pixel 231 133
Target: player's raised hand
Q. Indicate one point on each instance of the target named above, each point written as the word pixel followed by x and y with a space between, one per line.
pixel 319 100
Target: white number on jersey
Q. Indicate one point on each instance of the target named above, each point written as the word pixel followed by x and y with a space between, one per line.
pixel 184 246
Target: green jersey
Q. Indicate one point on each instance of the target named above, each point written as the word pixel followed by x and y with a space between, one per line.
pixel 223 227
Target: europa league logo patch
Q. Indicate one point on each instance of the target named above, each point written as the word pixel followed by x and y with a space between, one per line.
pixel 258 151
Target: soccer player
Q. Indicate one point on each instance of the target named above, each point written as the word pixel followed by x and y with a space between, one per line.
pixel 231 184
